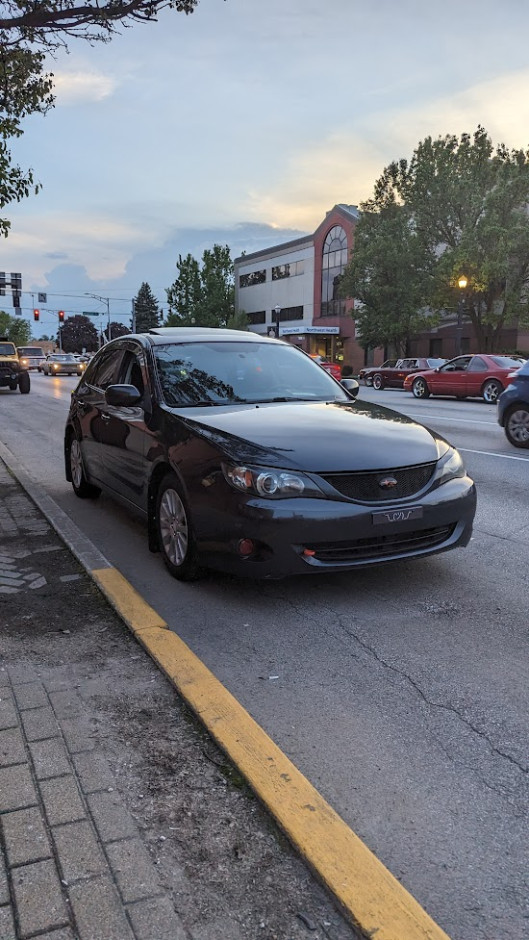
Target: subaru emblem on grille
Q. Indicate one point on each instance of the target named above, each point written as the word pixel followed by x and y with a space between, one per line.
pixel 387 483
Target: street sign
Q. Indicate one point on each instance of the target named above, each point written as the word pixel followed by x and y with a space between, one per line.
pixel 90 313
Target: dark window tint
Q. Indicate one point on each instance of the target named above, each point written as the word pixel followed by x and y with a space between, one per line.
pixel 102 370
pixel 131 371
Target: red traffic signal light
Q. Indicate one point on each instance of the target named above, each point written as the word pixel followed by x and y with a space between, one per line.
pixel 36 314
pixel 61 316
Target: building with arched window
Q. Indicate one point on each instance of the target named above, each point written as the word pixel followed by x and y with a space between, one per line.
pixel 293 290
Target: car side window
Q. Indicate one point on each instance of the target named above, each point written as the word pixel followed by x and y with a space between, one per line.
pixel 477 365
pixel 131 372
pixel 102 370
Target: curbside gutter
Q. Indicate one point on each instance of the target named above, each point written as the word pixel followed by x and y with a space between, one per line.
pixel 369 895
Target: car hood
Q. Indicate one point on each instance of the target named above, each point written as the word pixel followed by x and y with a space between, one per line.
pixel 316 436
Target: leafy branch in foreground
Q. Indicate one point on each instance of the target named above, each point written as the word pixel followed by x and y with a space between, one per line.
pixel 31 31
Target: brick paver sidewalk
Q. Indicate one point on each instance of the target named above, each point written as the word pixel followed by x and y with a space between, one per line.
pixel 72 865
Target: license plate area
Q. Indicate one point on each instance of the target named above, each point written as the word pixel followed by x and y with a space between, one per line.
pixel 395 516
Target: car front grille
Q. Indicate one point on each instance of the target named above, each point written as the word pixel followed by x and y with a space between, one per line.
pixel 366 488
pixel 8 368
pixel 384 546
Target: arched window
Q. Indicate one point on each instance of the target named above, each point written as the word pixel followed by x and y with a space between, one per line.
pixel 334 260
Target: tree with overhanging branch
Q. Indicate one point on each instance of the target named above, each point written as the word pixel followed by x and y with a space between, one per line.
pixel 30 33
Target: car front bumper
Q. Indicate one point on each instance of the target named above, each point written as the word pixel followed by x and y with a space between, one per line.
pixel 309 536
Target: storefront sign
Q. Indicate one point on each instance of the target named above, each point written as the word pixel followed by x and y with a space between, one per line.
pixel 321 330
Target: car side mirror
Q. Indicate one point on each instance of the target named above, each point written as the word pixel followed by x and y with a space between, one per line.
pixel 123 396
pixel 351 386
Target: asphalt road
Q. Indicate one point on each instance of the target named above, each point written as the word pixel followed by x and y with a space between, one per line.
pixel 400 692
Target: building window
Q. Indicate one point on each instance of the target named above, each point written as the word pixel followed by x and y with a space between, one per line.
pixel 288 313
pixel 436 348
pixel 287 270
pixel 334 260
pixel 258 317
pixel 254 277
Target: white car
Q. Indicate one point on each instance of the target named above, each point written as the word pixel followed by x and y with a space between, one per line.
pixel 62 364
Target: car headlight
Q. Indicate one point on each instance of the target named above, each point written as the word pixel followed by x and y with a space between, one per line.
pixel 450 466
pixel 270 482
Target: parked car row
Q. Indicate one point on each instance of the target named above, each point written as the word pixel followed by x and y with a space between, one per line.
pixel 393 376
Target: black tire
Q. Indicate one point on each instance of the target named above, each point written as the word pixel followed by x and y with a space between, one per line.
pixel 420 388
pixel 13 386
pixel 517 425
pixel 378 382
pixel 368 381
pixel 176 539
pixel 491 391
pixel 81 487
pixel 24 383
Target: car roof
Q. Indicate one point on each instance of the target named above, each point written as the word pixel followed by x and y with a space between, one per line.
pixel 186 334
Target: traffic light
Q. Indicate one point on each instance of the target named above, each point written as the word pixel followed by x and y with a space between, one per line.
pixel 2 283
pixel 36 314
pixel 61 316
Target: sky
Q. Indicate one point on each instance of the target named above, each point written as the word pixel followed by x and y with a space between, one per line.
pixel 243 124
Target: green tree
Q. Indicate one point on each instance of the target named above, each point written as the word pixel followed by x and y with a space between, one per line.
pixel 117 329
pixel 78 333
pixel 18 331
pixel 203 295
pixel 389 276
pixel 146 310
pixel 185 293
pixel 467 201
pixel 238 321
pixel 31 32
pixel 217 302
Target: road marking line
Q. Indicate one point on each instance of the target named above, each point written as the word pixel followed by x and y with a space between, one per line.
pixel 486 453
pixel 370 895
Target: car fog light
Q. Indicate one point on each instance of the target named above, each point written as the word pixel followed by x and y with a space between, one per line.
pixel 246 547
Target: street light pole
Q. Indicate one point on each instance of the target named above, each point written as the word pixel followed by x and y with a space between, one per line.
pixel 104 300
pixel 277 311
pixel 461 283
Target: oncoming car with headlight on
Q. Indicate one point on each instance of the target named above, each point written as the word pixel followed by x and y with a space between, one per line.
pixel 244 455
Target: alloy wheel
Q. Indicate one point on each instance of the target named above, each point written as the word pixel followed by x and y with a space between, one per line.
pixel 174 531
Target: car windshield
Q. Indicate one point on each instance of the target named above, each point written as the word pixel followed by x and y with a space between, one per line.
pixel 507 362
pixel 66 358
pixel 7 349
pixel 30 351
pixel 222 373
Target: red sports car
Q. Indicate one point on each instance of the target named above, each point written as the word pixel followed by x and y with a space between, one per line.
pixel 480 375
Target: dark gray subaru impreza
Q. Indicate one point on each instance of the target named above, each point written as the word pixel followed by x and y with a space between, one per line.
pixel 243 455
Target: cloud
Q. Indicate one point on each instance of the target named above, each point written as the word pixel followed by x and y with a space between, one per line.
pixel 344 166
pixel 74 88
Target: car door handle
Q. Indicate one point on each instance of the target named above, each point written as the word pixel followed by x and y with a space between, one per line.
pixel 105 417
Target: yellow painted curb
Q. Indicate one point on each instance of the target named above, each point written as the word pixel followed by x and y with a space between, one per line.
pixel 136 613
pixel 370 895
